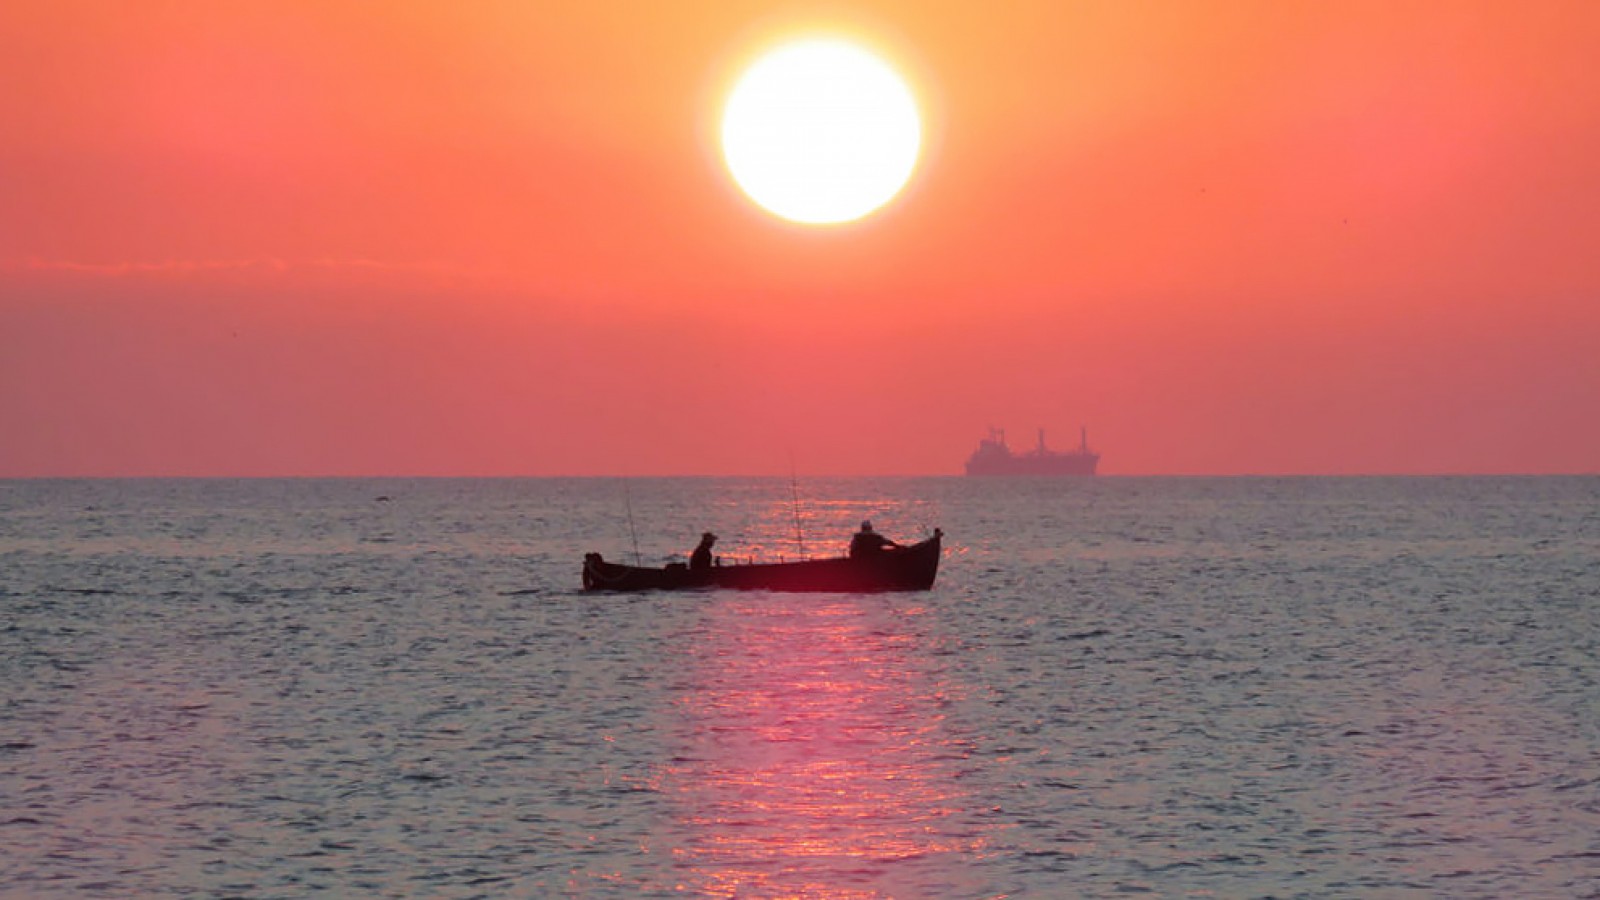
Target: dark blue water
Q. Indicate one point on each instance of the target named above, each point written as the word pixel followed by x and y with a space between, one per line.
pixel 1179 687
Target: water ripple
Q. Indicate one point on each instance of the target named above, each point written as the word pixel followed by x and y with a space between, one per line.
pixel 1324 687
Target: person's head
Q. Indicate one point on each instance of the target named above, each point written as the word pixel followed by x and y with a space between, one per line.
pixel 866 525
pixel 708 539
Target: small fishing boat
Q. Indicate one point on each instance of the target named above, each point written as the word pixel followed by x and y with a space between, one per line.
pixel 909 568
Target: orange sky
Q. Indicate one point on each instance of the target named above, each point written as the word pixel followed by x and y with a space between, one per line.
pixel 341 238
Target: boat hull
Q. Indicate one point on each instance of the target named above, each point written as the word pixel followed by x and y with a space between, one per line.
pixel 911 568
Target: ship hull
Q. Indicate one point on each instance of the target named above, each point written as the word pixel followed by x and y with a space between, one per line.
pixel 1059 464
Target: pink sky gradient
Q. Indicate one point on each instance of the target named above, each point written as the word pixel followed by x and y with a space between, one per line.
pixel 1230 238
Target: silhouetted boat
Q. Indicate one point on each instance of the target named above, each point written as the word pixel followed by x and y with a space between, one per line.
pixel 909 568
pixel 993 457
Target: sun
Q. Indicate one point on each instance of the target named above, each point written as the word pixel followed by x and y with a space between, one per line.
pixel 821 131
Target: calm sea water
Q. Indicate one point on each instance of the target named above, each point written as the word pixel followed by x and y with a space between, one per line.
pixel 1181 687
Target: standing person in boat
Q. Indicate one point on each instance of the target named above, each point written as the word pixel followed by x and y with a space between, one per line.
pixel 867 542
pixel 700 559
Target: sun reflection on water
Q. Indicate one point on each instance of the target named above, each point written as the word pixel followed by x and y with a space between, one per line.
pixel 816 761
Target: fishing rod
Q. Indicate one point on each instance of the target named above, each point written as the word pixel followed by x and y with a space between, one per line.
pixel 794 501
pixel 627 496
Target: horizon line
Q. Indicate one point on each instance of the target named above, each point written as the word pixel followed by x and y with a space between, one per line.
pixel 787 476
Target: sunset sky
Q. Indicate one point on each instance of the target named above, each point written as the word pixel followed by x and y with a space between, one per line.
pixel 353 238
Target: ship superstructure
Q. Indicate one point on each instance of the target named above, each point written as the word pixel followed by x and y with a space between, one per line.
pixel 995 457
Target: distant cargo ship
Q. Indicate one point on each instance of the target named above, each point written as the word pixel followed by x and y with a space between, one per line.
pixel 993 457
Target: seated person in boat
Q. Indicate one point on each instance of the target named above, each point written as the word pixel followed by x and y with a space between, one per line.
pixel 867 542
pixel 700 559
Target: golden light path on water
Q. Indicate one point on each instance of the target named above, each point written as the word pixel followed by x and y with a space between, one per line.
pixel 817 764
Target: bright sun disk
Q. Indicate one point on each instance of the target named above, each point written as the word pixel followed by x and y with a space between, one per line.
pixel 821 131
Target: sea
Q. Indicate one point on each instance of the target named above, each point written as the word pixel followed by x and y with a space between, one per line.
pixel 1119 686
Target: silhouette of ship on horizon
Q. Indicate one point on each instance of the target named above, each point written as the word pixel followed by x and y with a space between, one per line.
pixel 994 457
